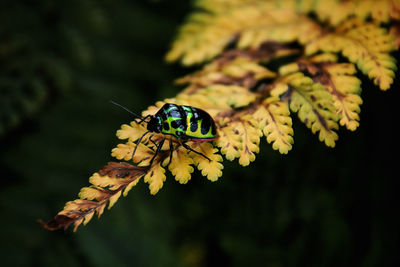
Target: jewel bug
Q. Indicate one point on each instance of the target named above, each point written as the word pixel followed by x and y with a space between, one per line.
pixel 186 123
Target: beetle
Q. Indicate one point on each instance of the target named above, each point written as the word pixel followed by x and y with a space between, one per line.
pixel 186 123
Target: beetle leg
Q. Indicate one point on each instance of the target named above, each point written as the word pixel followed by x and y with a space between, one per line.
pixel 191 149
pixel 138 142
pixel 143 119
pixel 157 151
pixel 171 150
pixel 152 139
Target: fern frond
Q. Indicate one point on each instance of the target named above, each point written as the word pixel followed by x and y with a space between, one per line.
pixel 245 98
pixel 293 27
pixel 107 186
pixel 240 71
pixel 142 156
pixel 205 35
pixel 335 12
pixel 132 132
pixel 211 169
pixel 155 177
pixel 239 138
pixel 229 142
pixel 275 121
pixel 181 167
pixel 364 44
pixel 339 80
pixel 313 103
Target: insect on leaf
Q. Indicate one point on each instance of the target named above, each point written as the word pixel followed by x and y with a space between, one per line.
pixel 263 60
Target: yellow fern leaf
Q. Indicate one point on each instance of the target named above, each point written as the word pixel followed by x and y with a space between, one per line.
pixel 123 151
pixel 205 35
pixel 198 40
pixel 115 176
pixel 155 177
pixel 143 153
pixel 240 71
pixel 77 223
pixel 365 44
pixel 132 132
pixel 112 183
pixel 129 187
pixel 180 165
pixel 214 99
pixel 78 204
pixel 73 209
pixel 87 218
pixel 335 12
pixel 222 96
pixel 250 134
pixel 240 138
pixel 234 96
pixel 285 26
pixel 242 67
pixel 91 193
pixel 99 194
pixel 381 11
pixel 276 123
pixel 212 169
pixel 229 142
pixel 229 96
pixel 312 102
pixel 114 199
pixel 345 90
pixel 100 210
pixel 339 81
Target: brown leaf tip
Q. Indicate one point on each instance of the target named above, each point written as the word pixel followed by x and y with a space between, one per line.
pixel 58 222
pixel 122 170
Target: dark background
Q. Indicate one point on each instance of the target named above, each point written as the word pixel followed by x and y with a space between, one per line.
pixel 60 64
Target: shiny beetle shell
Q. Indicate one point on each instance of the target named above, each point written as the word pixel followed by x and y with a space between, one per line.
pixel 183 122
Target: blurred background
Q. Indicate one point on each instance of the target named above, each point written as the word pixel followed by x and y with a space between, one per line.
pixel 61 62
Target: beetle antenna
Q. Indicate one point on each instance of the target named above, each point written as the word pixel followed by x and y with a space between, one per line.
pixel 121 106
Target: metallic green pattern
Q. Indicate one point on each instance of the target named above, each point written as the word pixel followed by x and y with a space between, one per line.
pixel 186 122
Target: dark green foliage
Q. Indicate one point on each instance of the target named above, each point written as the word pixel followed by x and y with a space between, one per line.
pixel 316 206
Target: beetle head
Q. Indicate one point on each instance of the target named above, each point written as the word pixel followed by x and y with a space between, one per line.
pixel 154 124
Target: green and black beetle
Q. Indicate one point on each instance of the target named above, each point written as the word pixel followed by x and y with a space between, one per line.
pixel 185 123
